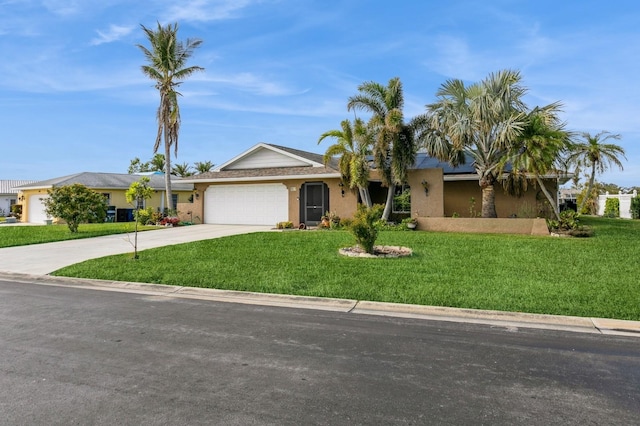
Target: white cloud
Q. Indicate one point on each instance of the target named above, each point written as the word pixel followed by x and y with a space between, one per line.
pixel 251 83
pixel 115 32
pixel 63 7
pixel 205 10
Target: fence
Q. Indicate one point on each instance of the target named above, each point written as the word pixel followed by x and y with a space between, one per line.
pixel 625 203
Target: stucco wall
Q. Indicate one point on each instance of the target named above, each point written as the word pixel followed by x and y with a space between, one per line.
pixel 458 195
pixel 484 226
pixel 426 204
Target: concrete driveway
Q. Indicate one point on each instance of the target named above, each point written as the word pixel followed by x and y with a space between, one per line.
pixel 42 259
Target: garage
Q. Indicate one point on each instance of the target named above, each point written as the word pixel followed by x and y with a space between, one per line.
pixel 251 204
pixel 36 209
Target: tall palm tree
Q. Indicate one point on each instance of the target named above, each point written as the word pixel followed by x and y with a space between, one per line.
pixel 540 149
pixel 167 58
pixel 394 150
pixel 480 121
pixel 593 152
pixel 203 166
pixel 353 146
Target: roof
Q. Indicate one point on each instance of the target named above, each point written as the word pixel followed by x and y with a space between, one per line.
pixel 268 162
pixel 107 181
pixel 423 161
pixel 7 186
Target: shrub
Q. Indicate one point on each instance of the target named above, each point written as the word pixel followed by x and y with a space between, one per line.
pixel 144 216
pixel 569 224
pixel 364 227
pixel 635 207
pixel 284 225
pixel 612 207
pixel 75 204
pixel 568 220
pixel 16 211
pixel 170 221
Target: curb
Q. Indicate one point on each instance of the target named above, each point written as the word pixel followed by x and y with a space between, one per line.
pixel 509 320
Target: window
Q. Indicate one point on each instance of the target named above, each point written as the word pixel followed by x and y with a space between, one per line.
pixel 402 199
pixel 174 200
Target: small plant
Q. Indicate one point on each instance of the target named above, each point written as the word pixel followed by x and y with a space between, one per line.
pixel 284 225
pixel 612 207
pixel 472 208
pixel 402 202
pixel 364 227
pixel 455 214
pixel 569 224
pixel 16 211
pixel 408 224
pixel 170 221
pixel 330 220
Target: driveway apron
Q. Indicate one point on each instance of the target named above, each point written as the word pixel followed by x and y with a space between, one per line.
pixel 42 259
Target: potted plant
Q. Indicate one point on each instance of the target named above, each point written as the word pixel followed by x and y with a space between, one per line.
pixel 410 223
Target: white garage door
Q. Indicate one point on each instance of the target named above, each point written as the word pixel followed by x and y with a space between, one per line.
pixel 36 209
pixel 262 204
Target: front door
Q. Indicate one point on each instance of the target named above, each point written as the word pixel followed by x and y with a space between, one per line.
pixel 315 202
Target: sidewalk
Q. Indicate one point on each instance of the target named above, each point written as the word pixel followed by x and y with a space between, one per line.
pixel 32 264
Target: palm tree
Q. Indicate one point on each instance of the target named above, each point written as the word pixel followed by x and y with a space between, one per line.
pixel 595 153
pixel 182 170
pixel 539 150
pixel 394 150
pixel 203 166
pixel 167 58
pixel 353 146
pixel 156 164
pixel 481 121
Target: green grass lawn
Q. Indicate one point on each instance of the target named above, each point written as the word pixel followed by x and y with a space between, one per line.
pixel 24 235
pixel 596 276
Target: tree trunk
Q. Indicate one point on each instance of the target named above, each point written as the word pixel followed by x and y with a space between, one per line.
pixel 488 201
pixel 587 195
pixel 167 175
pixel 554 204
pixel 387 207
pixel 365 197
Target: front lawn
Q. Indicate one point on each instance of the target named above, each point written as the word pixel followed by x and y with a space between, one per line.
pixel 595 276
pixel 23 235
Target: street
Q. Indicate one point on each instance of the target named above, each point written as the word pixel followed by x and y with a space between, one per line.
pixel 80 356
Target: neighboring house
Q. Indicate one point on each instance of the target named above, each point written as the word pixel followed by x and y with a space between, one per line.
pixel 568 198
pixel 9 195
pixel 112 185
pixel 268 184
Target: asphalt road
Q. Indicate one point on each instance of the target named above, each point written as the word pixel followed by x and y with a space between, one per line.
pixel 78 356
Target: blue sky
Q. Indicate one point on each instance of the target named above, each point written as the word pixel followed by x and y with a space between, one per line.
pixel 281 71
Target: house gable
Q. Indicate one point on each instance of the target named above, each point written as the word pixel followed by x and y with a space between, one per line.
pixel 266 156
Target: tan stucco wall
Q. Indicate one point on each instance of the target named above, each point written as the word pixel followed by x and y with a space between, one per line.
pixel 458 194
pixel 485 226
pixel 426 204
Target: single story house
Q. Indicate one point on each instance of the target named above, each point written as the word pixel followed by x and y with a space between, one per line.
pixel 269 183
pixel 9 195
pixel 112 186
